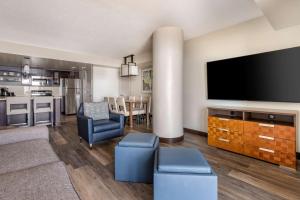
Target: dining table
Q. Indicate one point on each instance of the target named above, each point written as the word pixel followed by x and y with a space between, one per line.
pixel 131 104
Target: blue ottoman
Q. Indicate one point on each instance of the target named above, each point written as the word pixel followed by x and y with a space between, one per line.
pixel 183 173
pixel 134 157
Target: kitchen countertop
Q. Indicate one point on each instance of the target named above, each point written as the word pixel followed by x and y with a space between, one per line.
pixel 4 98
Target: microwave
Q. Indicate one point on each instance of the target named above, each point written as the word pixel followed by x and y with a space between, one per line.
pixel 41 81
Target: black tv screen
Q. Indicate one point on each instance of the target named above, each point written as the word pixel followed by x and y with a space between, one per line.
pixel 272 76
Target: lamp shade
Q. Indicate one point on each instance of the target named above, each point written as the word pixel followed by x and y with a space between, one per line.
pixel 129 70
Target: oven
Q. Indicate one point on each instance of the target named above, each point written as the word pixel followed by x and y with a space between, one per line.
pixel 42 81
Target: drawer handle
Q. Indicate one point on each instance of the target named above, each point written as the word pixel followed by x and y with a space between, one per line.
pixel 223 140
pixel 223 119
pixel 266 137
pixel 223 129
pixel 266 150
pixel 266 125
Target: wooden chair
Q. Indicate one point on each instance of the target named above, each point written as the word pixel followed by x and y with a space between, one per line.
pixel 149 108
pixel 139 107
pixel 121 105
pixel 112 104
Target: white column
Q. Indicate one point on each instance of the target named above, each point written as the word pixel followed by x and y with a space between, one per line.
pixel 167 82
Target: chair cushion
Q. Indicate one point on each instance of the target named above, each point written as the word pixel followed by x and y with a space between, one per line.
pixel 96 110
pixel 182 160
pixel 47 182
pixel 138 140
pixel 22 155
pixel 105 125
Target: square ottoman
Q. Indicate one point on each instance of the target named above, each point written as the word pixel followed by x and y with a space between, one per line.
pixel 183 173
pixel 134 157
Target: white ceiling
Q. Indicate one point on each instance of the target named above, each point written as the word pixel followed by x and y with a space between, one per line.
pixel 114 28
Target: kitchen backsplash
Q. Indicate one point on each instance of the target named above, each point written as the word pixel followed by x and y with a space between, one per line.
pixel 26 90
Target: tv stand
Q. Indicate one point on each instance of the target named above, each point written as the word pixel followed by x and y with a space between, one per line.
pixel 265 134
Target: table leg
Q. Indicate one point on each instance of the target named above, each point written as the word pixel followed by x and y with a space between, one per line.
pixel 130 115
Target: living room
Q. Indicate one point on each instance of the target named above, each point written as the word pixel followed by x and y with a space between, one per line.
pixel 143 100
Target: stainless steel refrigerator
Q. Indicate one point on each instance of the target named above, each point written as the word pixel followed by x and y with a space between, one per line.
pixel 71 95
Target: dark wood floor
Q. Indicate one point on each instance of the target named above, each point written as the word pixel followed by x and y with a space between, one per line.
pixel 239 177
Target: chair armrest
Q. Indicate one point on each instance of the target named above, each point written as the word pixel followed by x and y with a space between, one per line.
pixel 118 118
pixel 85 128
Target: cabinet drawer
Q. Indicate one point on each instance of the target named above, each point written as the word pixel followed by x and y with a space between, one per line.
pixel 231 125
pixel 231 141
pixel 259 140
pixel 285 132
pixel 254 128
pixel 261 152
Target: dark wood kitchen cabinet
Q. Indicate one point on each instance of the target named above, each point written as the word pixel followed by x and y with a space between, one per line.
pixel 57 111
pixel 2 113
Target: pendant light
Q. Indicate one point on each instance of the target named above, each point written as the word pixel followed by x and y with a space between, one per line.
pixel 129 68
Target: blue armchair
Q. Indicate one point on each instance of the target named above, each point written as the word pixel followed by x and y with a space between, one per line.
pixel 96 131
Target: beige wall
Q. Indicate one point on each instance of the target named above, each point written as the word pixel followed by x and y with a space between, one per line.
pixel 251 37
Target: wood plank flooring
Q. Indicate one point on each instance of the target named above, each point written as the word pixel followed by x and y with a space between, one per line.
pixel 239 177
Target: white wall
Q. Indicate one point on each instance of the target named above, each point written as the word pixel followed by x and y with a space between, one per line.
pixel 105 82
pixel 251 37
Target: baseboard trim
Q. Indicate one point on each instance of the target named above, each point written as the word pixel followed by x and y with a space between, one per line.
pixel 171 140
pixel 201 133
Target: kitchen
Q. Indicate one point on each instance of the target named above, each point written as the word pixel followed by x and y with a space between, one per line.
pixel 25 80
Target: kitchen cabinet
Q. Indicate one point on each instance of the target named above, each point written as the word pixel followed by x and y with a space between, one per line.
pixel 57 111
pixel 2 113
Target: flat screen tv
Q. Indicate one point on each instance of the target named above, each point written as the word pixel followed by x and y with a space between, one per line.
pixel 271 76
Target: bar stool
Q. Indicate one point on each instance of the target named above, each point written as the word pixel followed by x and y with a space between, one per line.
pixel 17 106
pixel 42 105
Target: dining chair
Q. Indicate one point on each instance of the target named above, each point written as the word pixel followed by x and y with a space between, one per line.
pixel 139 107
pixel 121 106
pixel 132 98
pixel 112 104
pixel 149 108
